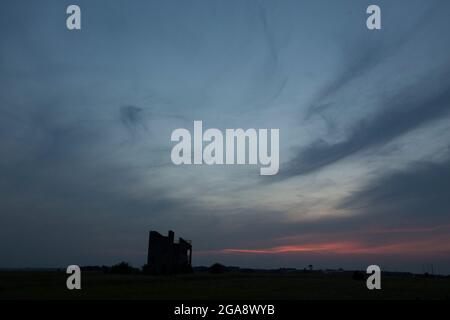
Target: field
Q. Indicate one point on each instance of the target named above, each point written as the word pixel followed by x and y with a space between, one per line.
pixel 259 285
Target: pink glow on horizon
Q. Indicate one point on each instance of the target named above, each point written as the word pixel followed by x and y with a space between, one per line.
pixel 324 247
pixel 408 247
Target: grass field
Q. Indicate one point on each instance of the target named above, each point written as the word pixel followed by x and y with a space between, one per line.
pixel 97 285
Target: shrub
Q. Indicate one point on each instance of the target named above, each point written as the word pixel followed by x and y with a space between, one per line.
pixel 217 268
pixel 123 268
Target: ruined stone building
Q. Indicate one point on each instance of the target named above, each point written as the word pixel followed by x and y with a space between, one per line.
pixel 166 256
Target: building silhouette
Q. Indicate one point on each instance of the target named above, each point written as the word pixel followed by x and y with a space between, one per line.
pixel 165 256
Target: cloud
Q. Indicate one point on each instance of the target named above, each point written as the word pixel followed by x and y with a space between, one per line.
pixel 415 196
pixel 132 118
pixel 374 49
pixel 75 190
pixel 403 212
pixel 414 106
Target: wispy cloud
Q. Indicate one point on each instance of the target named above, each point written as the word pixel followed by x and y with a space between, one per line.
pixel 414 106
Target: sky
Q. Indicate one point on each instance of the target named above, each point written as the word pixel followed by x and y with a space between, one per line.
pixel 86 118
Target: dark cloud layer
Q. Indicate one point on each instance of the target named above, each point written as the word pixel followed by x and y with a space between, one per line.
pixel 417 196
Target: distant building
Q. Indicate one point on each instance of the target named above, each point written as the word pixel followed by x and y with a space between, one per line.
pixel 166 256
